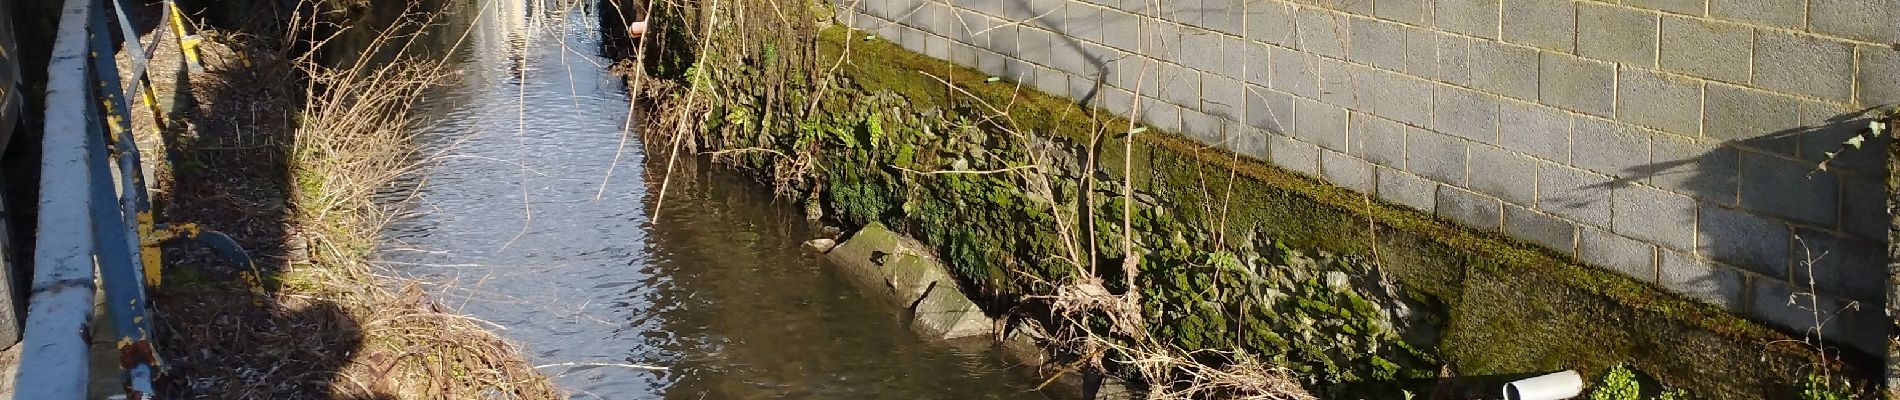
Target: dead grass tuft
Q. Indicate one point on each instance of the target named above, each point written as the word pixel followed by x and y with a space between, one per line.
pixel 332 325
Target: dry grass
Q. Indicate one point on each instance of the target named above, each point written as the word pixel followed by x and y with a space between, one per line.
pixel 332 326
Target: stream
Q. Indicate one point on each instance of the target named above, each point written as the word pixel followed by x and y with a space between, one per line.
pixel 536 212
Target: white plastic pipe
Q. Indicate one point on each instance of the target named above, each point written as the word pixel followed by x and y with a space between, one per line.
pixel 1556 386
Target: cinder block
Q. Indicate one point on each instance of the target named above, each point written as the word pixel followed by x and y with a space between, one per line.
pixel 937 47
pixel 1667 103
pixel 939 18
pixel 1776 13
pixel 1503 174
pixel 1654 215
pixel 1610 148
pixel 1436 156
pixel 1067 55
pixel 1357 7
pixel 1035 45
pixel 1251 142
pixel 1751 118
pixel 1464 113
pixel 1690 7
pixel 1825 129
pixel 1004 40
pixel 1543 229
pixel 1269 109
pixel 1234 56
pixel 1179 85
pixel 1121 30
pixel 1378 140
pixel 1207 129
pixel 1293 72
pixel 1337 82
pixel 990 63
pixel 1293 155
pixel 1573 194
pixel 1223 97
pixel 1399 187
pixel 1707 49
pixel 1224 16
pixel 1163 40
pixel 1577 84
pixel 1849 269
pixel 1468 208
pixel 990 7
pixel 1879 76
pixel 1320 124
pixel 1536 130
pixel 1051 81
pixel 1745 240
pixel 1084 22
pixel 1549 24
pixel 1701 280
pixel 1185 12
pixel 1626 256
pixel 1378 43
pixel 1322 32
pixel 1789 189
pixel 963 54
pixel 1200 49
pixel 1271 22
pixel 1706 171
pixel 1421 53
pixel 1019 10
pixel 1259 62
pixel 1489 66
pixel 1115 100
pixel 913 39
pixel 1160 114
pixel 1415 12
pixel 1017 70
pixel 1803 64
pixel 1046 14
pixel 1397 96
pixel 1862 19
pixel 1347 171
pixel 1471 17
pixel 1794 309
pixel 1864 208
pixel 1616 34
pixel 1099 59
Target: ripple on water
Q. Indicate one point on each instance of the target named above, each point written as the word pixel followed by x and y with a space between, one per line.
pixel 519 222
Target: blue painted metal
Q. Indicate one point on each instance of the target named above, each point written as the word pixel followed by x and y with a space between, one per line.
pixel 114 223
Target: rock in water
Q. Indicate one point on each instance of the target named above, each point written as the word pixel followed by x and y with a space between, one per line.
pixel 820 246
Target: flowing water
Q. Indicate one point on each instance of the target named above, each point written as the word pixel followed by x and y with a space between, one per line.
pixel 536 213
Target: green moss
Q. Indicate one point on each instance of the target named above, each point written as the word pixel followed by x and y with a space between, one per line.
pixel 1220 269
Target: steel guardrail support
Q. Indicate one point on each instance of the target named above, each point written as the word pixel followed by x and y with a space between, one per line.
pixel 115 211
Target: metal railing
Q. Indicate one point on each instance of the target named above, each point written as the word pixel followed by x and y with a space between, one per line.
pixel 96 235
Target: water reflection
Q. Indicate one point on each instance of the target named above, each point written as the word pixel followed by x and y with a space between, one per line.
pixel 531 216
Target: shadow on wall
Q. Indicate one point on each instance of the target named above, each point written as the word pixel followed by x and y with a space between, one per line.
pixel 1772 225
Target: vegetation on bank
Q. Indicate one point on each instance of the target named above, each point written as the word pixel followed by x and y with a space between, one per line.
pixel 1199 272
pixel 287 155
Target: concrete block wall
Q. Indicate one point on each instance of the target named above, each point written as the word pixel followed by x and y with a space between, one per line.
pixel 1674 141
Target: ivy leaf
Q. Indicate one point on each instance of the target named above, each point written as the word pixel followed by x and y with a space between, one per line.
pixel 992 79
pixel 1856 141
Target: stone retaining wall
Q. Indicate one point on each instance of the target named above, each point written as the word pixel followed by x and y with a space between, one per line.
pixel 1673 141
